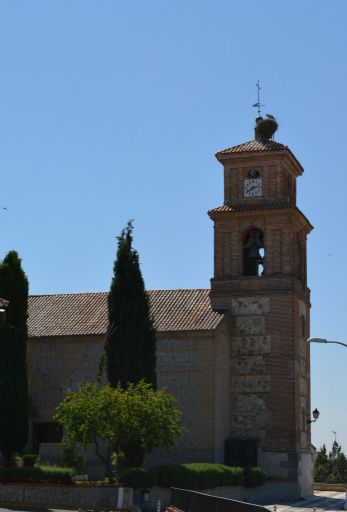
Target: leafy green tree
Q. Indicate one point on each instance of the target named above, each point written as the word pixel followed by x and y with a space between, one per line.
pixel 322 456
pixel 334 453
pixel 331 467
pixel 341 467
pixel 322 467
pixel 13 373
pixel 130 343
pixel 337 463
pixel 118 419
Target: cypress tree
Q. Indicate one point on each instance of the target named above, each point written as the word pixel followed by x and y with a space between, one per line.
pixel 13 374
pixel 130 343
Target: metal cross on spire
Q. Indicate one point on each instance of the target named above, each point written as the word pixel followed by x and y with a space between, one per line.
pixel 258 104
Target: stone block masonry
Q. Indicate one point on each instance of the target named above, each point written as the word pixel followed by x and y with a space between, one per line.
pixel 89 497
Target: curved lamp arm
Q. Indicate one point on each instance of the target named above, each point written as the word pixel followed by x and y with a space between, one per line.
pixel 323 340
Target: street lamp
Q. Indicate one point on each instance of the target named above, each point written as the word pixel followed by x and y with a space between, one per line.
pixel 323 340
pixel 315 413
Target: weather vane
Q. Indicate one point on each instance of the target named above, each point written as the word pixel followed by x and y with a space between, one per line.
pixel 258 104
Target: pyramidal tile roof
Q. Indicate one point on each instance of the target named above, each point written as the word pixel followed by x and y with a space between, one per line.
pixel 86 313
pixel 254 145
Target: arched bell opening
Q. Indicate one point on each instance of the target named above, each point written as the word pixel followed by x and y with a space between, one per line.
pixel 253 253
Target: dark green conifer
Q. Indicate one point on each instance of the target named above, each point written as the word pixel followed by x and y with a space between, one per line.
pixel 13 372
pixel 130 344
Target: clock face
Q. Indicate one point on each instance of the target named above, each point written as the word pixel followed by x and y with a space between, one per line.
pixel 252 187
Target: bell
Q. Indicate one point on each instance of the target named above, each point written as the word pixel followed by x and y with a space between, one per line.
pixel 254 252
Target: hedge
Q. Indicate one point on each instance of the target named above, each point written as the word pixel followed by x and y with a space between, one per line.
pixel 29 460
pixel 254 476
pixel 42 474
pixel 139 478
pixel 193 476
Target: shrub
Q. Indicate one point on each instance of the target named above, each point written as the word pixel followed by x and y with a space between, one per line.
pixel 29 460
pixel 209 475
pixel 139 477
pixel 17 461
pixel 199 475
pixel 254 477
pixel 232 475
pixel 43 474
pixel 55 474
pixel 176 475
pixel 72 456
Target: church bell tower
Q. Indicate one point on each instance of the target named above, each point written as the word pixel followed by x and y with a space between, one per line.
pixel 260 283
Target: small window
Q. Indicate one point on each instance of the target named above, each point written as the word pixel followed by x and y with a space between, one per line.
pixel 253 253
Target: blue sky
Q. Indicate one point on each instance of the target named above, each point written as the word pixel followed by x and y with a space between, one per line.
pixel 114 110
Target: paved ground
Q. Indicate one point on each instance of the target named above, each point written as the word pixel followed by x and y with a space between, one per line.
pixel 21 509
pixel 322 500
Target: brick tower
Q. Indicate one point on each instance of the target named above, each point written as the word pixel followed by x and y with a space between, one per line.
pixel 260 283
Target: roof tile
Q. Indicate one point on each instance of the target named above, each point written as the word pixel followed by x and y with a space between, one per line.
pixel 263 205
pixel 86 313
pixel 268 205
pixel 254 145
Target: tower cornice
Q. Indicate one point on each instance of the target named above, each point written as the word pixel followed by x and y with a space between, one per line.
pixel 268 209
pixel 244 153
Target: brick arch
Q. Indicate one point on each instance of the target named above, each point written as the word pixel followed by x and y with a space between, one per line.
pixel 243 231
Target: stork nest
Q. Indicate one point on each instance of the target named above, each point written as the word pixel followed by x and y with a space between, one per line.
pixel 265 128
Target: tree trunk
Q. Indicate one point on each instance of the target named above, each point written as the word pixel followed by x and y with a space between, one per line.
pixel 133 455
pixel 105 459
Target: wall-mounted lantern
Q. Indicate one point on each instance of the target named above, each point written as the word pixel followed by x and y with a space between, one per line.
pixel 315 415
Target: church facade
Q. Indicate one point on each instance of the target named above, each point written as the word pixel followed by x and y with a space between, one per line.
pixel 235 356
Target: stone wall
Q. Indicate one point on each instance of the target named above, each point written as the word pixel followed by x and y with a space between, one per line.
pixel 110 497
pixel 251 378
pixel 57 365
pixel 89 497
pixel 194 367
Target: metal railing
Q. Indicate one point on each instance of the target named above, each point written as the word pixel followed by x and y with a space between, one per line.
pixel 192 501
